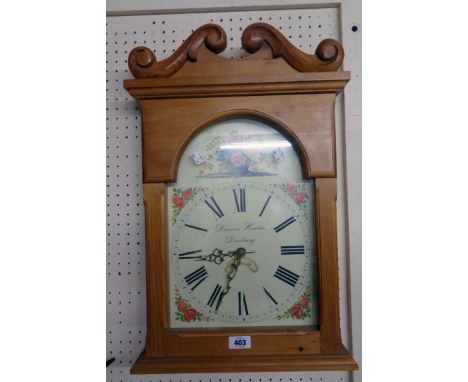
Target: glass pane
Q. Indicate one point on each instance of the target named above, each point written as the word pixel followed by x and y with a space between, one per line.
pixel 241 231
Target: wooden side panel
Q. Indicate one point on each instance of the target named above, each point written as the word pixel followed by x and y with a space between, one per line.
pixel 327 250
pixel 155 196
pixel 308 119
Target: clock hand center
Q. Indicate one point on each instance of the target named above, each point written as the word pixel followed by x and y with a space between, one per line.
pixel 218 256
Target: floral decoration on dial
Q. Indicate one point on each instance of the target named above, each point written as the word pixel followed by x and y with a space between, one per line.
pixel 185 312
pixel 301 309
pixel 180 197
pixel 297 193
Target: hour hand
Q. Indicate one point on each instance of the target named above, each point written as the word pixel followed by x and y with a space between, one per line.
pixel 217 256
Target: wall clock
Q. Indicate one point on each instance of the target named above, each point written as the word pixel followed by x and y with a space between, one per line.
pixel 240 193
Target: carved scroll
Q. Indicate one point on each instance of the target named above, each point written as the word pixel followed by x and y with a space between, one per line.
pixel 143 64
pixel 328 55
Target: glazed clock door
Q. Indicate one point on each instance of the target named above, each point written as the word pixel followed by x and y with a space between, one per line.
pixel 241 231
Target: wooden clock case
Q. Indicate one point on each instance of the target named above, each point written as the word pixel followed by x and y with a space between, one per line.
pixel 293 92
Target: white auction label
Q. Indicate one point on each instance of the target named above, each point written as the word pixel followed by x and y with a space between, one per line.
pixel 239 342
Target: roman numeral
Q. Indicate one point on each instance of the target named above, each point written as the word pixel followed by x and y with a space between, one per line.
pixel 240 201
pixel 284 224
pixel 264 206
pixel 270 296
pixel 215 295
pixel 242 304
pixel 195 227
pixel 214 207
pixel 286 276
pixel 292 250
pixel 190 255
pixel 197 276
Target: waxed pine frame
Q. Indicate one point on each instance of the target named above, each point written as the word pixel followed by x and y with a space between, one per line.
pixel 192 89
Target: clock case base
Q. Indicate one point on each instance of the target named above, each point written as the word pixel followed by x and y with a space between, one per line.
pixel 320 362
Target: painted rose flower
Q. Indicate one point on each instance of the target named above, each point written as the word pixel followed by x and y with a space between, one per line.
pixel 190 314
pixel 181 306
pixel 178 201
pixel 303 302
pixel 297 311
pixel 237 159
pixel 185 312
pixel 300 197
pixel 187 194
pixel 291 189
pixel 301 309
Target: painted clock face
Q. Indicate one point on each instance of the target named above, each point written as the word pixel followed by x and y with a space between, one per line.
pixel 242 249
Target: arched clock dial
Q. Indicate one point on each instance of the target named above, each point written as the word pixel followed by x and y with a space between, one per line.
pixel 241 234
pixel 242 252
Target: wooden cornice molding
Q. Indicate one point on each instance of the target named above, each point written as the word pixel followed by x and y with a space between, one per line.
pixel 328 55
pixel 143 64
pixel 220 86
pixel 211 37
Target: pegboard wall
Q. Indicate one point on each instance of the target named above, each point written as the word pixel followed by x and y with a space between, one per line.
pixel 126 295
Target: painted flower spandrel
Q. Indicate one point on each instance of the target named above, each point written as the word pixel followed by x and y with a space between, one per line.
pixel 181 305
pixel 297 193
pixel 301 309
pixel 185 312
pixel 300 197
pixel 180 198
pixel 178 201
pixel 187 194
pixel 297 311
pixel 291 189
pixel 190 314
